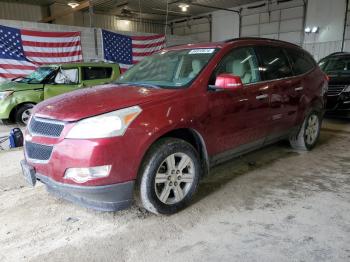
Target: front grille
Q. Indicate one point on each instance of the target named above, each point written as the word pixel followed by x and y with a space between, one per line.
pixel 38 152
pixel 45 127
pixel 334 90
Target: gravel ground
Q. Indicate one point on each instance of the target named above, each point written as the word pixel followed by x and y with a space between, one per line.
pixel 275 204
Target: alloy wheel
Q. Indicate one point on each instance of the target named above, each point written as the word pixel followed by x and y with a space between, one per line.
pixel 26 115
pixel 312 128
pixel 174 178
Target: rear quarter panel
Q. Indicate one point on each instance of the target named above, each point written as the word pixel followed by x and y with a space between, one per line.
pixel 313 98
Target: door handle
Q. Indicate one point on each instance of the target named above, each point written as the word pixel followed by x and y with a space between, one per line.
pixel 300 88
pixel 260 97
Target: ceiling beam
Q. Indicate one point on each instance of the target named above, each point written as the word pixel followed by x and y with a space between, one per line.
pixel 51 18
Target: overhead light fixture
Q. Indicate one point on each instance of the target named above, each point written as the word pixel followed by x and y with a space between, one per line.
pixel 184 7
pixel 126 22
pixel 308 30
pixel 73 4
pixel 314 29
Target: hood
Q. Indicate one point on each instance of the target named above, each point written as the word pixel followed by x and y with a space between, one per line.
pixel 15 86
pixel 93 101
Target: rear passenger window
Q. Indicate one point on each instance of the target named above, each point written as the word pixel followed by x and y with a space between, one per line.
pixel 274 63
pixel 92 73
pixel 301 61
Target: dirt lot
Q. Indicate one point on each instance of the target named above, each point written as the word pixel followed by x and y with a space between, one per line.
pixel 272 205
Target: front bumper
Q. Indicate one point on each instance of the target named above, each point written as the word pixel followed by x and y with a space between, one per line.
pixel 103 198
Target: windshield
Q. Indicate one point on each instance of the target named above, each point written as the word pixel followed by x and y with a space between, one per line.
pixel 337 65
pixel 169 69
pixel 37 76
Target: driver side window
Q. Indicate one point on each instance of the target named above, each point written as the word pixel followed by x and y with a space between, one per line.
pixel 240 62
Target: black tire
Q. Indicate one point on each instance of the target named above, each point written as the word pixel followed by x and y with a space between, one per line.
pixel 19 114
pixel 155 160
pixel 302 141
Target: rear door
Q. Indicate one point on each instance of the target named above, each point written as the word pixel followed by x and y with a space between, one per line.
pixel 66 80
pixel 277 75
pixel 96 75
pixel 302 64
pixel 238 119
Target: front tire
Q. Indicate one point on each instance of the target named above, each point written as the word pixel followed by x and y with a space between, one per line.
pixel 169 176
pixel 308 134
pixel 23 113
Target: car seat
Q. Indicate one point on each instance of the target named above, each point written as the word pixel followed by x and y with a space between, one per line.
pixel 196 67
pixel 241 70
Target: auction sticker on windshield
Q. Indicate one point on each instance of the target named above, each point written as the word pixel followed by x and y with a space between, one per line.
pixel 201 51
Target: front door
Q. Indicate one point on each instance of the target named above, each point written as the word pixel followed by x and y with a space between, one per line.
pixel 66 80
pixel 238 119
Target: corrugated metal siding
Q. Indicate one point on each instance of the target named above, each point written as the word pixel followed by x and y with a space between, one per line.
pixel 18 11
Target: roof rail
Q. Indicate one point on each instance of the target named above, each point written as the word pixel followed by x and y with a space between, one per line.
pixel 259 38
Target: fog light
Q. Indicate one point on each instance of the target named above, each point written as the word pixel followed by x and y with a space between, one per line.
pixel 81 175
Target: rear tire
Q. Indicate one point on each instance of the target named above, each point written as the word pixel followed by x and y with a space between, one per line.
pixel 23 114
pixel 308 134
pixel 169 176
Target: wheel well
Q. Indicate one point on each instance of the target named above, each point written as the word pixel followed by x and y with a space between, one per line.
pixel 195 139
pixel 317 105
pixel 14 110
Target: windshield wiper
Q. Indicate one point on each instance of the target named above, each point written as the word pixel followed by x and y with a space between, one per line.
pixel 137 84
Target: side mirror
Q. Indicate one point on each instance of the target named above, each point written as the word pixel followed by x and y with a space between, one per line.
pixel 228 82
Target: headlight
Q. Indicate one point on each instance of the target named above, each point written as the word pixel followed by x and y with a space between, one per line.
pixel 107 125
pixel 5 94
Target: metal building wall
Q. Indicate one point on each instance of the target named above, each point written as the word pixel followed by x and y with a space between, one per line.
pixel 18 11
pixel 118 24
pixel 283 21
pixel 196 28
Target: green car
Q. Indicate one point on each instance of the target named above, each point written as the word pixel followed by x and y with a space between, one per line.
pixel 18 96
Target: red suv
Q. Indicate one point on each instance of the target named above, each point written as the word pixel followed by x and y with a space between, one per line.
pixel 171 117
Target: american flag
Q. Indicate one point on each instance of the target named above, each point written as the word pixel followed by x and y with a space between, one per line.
pixel 22 51
pixel 129 50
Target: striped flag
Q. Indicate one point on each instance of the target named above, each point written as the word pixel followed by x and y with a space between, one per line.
pixel 22 51
pixel 129 50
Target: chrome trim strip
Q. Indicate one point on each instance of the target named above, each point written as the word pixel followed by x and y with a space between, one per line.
pixel 260 97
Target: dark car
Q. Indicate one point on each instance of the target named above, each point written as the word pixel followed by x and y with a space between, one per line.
pixel 337 67
pixel 170 118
